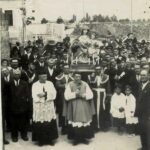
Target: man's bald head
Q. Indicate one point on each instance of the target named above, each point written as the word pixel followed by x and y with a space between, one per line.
pixel 144 72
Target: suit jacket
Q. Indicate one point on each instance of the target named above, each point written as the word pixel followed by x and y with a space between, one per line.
pixel 123 80
pixel 52 77
pixel 112 72
pixel 134 83
pixel 143 106
pixel 49 49
pixel 19 97
pixel 25 61
pixel 38 67
pixel 5 89
pixel 15 52
pixel 24 76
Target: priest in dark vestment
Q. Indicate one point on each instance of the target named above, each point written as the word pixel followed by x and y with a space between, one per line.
pixel 101 100
pixel 79 110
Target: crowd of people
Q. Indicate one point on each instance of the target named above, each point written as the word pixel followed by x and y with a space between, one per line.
pixel 40 92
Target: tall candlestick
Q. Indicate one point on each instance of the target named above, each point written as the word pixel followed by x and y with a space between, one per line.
pixel 93 60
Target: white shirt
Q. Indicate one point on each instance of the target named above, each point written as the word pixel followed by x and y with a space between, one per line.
pixel 7 78
pixel 17 82
pixel 98 79
pixel 130 105
pixel 72 95
pixel 50 71
pixel 66 77
pixel 118 101
pixel 138 77
pixel 144 85
pixel 28 54
pixel 42 64
pixel 35 56
pixel 43 110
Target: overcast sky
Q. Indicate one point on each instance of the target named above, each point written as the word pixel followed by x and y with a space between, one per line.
pixel 52 9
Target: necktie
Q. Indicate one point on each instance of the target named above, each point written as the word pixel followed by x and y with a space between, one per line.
pixel 28 56
pixel 17 83
pixel 66 77
pixel 138 78
pixel 42 65
pixel 6 79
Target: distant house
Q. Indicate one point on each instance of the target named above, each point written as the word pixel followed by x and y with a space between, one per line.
pixel 12 12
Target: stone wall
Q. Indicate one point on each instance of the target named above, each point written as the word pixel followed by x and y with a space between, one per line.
pixel 4 37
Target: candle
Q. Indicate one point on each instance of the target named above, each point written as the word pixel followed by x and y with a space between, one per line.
pixel 98 60
pixel 76 60
pixel 93 60
pixel 67 58
pixel 89 61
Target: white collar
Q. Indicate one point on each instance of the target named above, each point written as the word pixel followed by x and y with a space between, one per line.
pixel 7 77
pixel 144 85
pixel 50 68
pixel 17 82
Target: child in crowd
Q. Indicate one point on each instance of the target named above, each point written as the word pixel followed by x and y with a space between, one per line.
pixel 131 121
pixel 118 103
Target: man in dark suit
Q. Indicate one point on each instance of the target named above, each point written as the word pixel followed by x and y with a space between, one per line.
pixel 15 66
pixel 27 58
pixel 51 71
pixel 50 47
pixel 135 80
pixel 16 51
pixel 19 106
pixel 40 64
pixel 112 72
pixel 6 79
pixel 143 111
pixel 122 74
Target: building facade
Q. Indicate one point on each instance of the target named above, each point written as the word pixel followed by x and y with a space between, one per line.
pixel 12 11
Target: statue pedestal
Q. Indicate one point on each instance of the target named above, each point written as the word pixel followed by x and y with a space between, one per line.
pixel 82 68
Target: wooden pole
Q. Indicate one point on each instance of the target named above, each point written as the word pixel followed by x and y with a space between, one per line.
pixel 1 123
pixel 131 16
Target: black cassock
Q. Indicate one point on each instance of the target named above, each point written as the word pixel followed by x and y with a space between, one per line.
pixel 102 103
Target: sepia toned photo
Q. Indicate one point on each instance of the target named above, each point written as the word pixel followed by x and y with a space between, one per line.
pixel 75 74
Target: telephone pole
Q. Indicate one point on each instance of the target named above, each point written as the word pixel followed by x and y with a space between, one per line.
pixel 23 22
pixel 131 20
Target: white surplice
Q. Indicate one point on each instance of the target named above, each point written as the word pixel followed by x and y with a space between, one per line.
pixel 43 110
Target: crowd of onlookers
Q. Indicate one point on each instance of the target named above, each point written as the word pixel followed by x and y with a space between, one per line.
pixel 120 68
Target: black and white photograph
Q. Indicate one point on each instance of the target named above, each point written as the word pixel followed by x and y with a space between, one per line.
pixel 75 74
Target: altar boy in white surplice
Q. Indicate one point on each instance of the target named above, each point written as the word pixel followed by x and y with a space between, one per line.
pixel 44 116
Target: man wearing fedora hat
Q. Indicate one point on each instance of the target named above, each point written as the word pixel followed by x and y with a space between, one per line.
pixel 50 47
pixel 15 65
pixel 16 51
